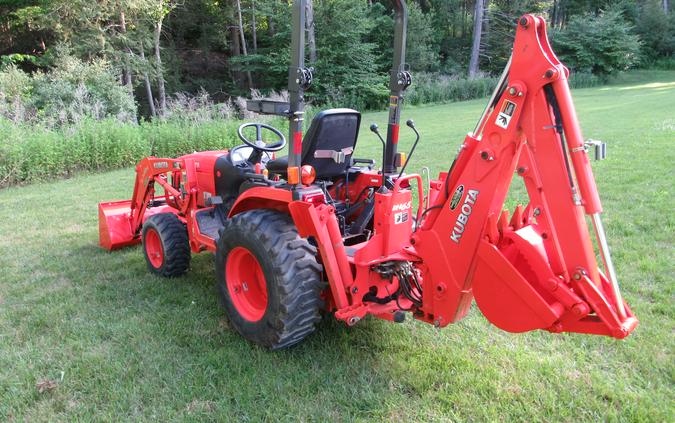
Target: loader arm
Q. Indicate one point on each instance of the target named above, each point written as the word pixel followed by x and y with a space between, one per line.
pixel 537 269
pixel 120 222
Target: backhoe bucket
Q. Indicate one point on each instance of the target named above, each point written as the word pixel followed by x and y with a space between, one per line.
pixel 114 225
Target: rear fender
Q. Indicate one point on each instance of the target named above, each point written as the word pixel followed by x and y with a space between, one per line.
pixel 261 198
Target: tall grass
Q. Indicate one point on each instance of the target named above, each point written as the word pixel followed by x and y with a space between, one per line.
pixel 32 154
pixel 586 80
pixel 438 88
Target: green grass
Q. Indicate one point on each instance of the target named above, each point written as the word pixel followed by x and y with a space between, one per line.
pixel 135 347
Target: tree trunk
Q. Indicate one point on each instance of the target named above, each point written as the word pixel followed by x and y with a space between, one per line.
pixel 477 31
pixel 235 51
pixel 271 26
pixel 311 37
pixel 666 6
pixel 148 87
pixel 161 91
pixel 254 30
pixel 243 43
pixel 126 69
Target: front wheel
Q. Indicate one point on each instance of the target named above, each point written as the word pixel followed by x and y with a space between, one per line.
pixel 268 278
pixel 165 245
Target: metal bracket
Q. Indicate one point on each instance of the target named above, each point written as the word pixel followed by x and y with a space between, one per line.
pixel 599 148
pixel 269 107
pixel 337 156
pixel 305 77
pixel 404 79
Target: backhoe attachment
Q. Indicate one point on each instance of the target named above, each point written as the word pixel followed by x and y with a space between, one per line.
pixel 536 269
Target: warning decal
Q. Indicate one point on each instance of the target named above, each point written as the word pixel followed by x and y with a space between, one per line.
pixel 505 114
pixel 401 217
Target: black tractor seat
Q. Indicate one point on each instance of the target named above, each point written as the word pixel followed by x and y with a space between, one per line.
pixel 328 144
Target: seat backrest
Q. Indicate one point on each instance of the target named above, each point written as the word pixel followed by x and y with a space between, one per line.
pixel 330 141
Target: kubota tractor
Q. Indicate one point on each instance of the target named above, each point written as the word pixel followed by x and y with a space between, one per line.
pixel 321 229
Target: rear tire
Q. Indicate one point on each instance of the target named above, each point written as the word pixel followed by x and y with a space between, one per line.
pixel 165 245
pixel 268 278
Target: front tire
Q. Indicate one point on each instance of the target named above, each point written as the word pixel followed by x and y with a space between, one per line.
pixel 165 245
pixel 268 278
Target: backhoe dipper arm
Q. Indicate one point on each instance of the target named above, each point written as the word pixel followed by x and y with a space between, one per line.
pixel 537 269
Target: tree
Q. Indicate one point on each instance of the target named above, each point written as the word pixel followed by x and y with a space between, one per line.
pixel 602 44
pixel 311 37
pixel 243 42
pixel 656 30
pixel 477 31
pixel 163 8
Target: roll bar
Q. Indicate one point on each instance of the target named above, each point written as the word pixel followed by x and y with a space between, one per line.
pixel 399 80
pixel 300 79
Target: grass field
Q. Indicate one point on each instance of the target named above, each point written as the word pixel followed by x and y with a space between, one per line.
pixel 116 343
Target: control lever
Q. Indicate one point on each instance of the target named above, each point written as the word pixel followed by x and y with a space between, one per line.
pixel 375 130
pixel 411 124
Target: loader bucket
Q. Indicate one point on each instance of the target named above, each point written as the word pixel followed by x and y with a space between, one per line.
pixel 114 225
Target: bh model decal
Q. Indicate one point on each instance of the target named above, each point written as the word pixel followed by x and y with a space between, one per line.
pixel 463 217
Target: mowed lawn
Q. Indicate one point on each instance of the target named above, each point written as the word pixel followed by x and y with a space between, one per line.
pixel 116 343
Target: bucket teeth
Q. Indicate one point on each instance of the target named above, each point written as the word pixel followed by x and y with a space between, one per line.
pixel 528 215
pixel 517 218
pixel 502 223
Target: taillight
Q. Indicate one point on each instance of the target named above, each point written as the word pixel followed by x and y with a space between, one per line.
pixel 308 174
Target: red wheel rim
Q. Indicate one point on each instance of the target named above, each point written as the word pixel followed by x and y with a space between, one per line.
pixel 246 284
pixel 153 248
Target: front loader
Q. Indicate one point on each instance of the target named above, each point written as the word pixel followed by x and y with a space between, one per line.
pixel 320 229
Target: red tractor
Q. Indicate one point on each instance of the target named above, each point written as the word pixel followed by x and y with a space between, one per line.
pixel 322 230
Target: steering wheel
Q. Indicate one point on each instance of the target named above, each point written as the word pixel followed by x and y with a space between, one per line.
pixel 259 144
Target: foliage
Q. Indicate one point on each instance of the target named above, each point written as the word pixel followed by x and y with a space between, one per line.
pixel 422 50
pixel 347 75
pixel 602 44
pixel 199 108
pixel 657 32
pixel 200 43
pixel 437 88
pixel 32 154
pixel 72 91
pixel 500 30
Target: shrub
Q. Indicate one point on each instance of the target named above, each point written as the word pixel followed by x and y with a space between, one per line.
pixel 73 91
pixel 15 90
pixel 602 45
pixel 197 108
